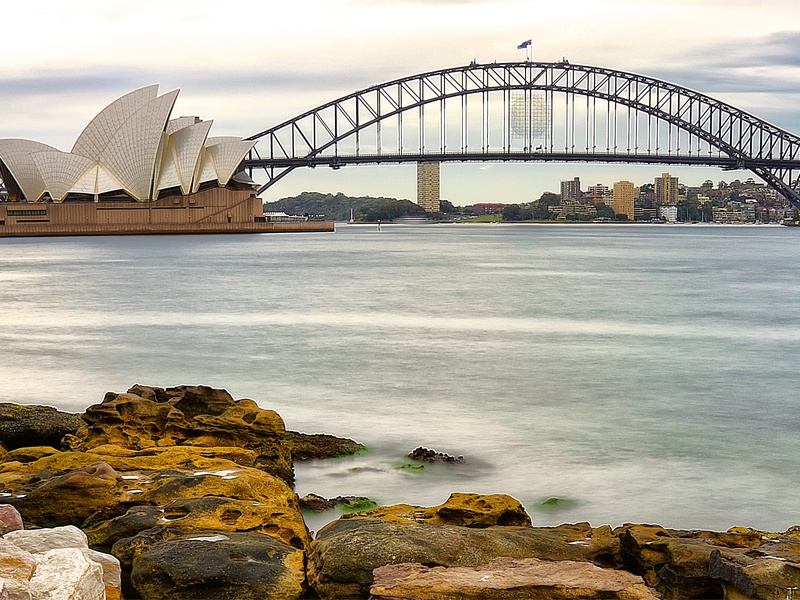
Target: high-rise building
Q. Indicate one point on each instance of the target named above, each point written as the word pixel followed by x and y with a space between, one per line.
pixel 624 195
pixel 428 186
pixel 666 190
pixel 599 190
pixel 571 190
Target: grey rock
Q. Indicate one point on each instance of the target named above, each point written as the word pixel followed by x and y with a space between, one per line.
pixel 218 565
pixel 31 425
pixel 346 552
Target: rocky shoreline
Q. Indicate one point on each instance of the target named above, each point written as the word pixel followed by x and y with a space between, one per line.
pixel 187 493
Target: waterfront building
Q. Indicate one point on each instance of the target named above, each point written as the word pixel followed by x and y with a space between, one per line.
pixel 668 213
pixel 623 196
pixel 575 209
pixel 428 192
pixel 666 189
pixel 571 190
pixel 599 190
pixel 644 214
pixel 131 150
pixel 487 208
pixel 133 169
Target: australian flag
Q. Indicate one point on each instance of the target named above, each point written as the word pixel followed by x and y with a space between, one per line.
pixel 524 45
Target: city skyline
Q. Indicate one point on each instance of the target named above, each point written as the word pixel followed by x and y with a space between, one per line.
pixel 252 66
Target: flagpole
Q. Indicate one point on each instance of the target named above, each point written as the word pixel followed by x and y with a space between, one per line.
pixel 527 46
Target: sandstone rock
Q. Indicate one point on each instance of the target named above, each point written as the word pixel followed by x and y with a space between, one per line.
pixel 757 575
pixel 676 562
pixel 317 503
pixel 791 533
pixel 212 564
pixel 26 425
pixel 28 455
pixel 52 497
pixel 52 500
pixel 16 569
pixel 147 417
pixel 42 540
pixel 503 578
pixel 67 573
pixel 285 519
pixel 431 456
pixel 10 519
pixel 304 446
pixel 207 513
pixel 346 551
pixel 112 573
pixel 106 532
pixel 467 510
pixel 122 459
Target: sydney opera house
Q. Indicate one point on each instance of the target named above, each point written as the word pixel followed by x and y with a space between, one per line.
pixel 133 169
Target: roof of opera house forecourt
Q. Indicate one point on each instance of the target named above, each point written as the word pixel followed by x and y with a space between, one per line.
pixel 132 147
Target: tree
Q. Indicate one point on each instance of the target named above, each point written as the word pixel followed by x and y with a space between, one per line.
pixel 706 212
pixel 541 212
pixel 540 209
pixel 603 210
pixel 512 212
pixel 447 207
pixel 689 210
pixel 549 199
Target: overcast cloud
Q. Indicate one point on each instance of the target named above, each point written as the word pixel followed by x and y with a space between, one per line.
pixel 249 65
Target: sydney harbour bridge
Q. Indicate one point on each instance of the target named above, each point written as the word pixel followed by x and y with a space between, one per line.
pixel 530 112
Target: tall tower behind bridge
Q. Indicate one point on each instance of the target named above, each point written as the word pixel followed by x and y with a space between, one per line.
pixel 624 195
pixel 666 188
pixel 428 186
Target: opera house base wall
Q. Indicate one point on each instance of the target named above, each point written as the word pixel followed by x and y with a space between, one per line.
pixel 215 210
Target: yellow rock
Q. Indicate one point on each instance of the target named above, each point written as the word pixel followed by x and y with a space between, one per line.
pixel 122 459
pixel 26 455
pixel 148 418
pixel 232 499
pixel 466 510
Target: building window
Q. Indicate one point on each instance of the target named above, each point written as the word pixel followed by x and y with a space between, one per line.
pixel 26 213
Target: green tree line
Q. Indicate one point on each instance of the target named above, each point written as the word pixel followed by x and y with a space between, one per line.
pixel 338 207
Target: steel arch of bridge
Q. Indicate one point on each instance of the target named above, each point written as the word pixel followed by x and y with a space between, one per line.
pixel 530 111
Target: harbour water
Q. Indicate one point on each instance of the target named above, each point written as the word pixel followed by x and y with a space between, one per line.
pixel 639 373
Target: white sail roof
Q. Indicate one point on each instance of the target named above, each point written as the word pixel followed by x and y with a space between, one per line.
pixel 227 156
pixel 16 155
pixel 181 122
pixel 131 146
pixel 131 153
pixel 60 171
pixel 181 160
pixel 93 140
pixel 96 180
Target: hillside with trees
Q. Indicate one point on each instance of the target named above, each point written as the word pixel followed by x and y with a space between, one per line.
pixel 337 207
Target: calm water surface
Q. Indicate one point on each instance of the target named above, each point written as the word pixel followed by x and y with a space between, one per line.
pixel 643 373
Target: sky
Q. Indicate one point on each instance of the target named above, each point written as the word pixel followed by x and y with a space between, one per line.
pixel 249 65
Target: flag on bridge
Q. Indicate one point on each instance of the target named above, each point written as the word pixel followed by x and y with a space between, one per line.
pixel 524 45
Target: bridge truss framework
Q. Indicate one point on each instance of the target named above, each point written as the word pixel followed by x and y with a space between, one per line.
pixel 530 111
